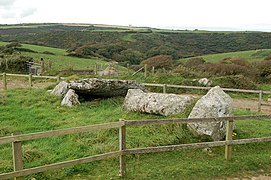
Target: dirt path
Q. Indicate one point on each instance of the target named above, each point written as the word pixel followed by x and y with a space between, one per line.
pixel 251 105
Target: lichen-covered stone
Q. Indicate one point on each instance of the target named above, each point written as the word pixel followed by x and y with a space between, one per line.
pixel 70 99
pixel 216 103
pixel 155 103
pixel 103 87
pixel 61 89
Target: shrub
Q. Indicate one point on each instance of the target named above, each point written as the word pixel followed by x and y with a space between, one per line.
pixel 237 61
pixel 222 69
pixel 238 81
pixel 158 62
pixel 13 63
pixel 264 70
pixel 194 62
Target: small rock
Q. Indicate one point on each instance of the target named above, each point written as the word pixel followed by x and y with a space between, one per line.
pixel 205 82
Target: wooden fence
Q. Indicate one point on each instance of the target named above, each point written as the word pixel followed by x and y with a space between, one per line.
pixel 260 92
pixel 30 78
pixel 16 139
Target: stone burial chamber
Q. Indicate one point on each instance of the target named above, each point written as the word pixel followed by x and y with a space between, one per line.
pixel 92 88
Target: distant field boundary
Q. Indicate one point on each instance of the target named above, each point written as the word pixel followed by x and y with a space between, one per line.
pixel 17 138
pixel 260 92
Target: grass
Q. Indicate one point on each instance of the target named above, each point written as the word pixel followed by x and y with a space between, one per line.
pixel 250 56
pixel 60 60
pixel 36 110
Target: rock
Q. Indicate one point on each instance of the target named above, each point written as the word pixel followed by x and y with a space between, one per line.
pixel 216 103
pixel 70 99
pixel 108 72
pixel 156 103
pixel 61 89
pixel 205 82
pixel 103 87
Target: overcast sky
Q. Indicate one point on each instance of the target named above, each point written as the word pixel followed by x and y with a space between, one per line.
pixel 172 14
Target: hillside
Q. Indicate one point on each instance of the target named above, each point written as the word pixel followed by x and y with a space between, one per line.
pixel 134 45
pixel 59 59
pixel 250 56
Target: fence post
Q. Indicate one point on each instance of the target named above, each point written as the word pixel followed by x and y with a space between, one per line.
pixel 152 70
pixel 42 67
pixel 122 147
pixel 260 101
pixel 229 131
pixel 30 80
pixel 5 81
pixel 164 88
pixel 145 68
pixel 57 79
pixel 17 156
pixel 95 69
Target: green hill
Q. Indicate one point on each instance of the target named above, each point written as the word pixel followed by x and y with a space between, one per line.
pixel 133 45
pixel 250 56
pixel 59 59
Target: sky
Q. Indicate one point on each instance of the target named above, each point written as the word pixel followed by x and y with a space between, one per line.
pixel 243 15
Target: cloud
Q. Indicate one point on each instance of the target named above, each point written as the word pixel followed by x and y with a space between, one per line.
pixel 28 12
pixel 8 15
pixel 6 2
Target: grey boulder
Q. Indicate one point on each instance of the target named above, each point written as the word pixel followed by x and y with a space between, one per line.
pixel 216 103
pixel 61 89
pixel 156 103
pixel 70 99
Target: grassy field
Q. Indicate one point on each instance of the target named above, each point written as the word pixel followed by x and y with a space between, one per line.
pixel 36 110
pixel 250 56
pixel 60 60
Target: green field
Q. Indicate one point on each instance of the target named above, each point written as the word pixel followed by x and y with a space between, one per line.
pixel 60 60
pixel 250 56
pixel 27 111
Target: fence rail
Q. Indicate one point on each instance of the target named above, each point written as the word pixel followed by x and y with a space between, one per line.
pixel 30 78
pixel 260 92
pixel 16 140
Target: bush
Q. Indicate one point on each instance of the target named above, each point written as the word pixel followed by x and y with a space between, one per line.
pixel 194 62
pixel 264 70
pixel 238 82
pixel 222 69
pixel 158 62
pixel 237 61
pixel 13 63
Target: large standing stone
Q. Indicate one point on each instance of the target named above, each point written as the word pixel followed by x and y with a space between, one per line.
pixel 61 89
pixel 216 103
pixel 156 103
pixel 103 87
pixel 70 99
